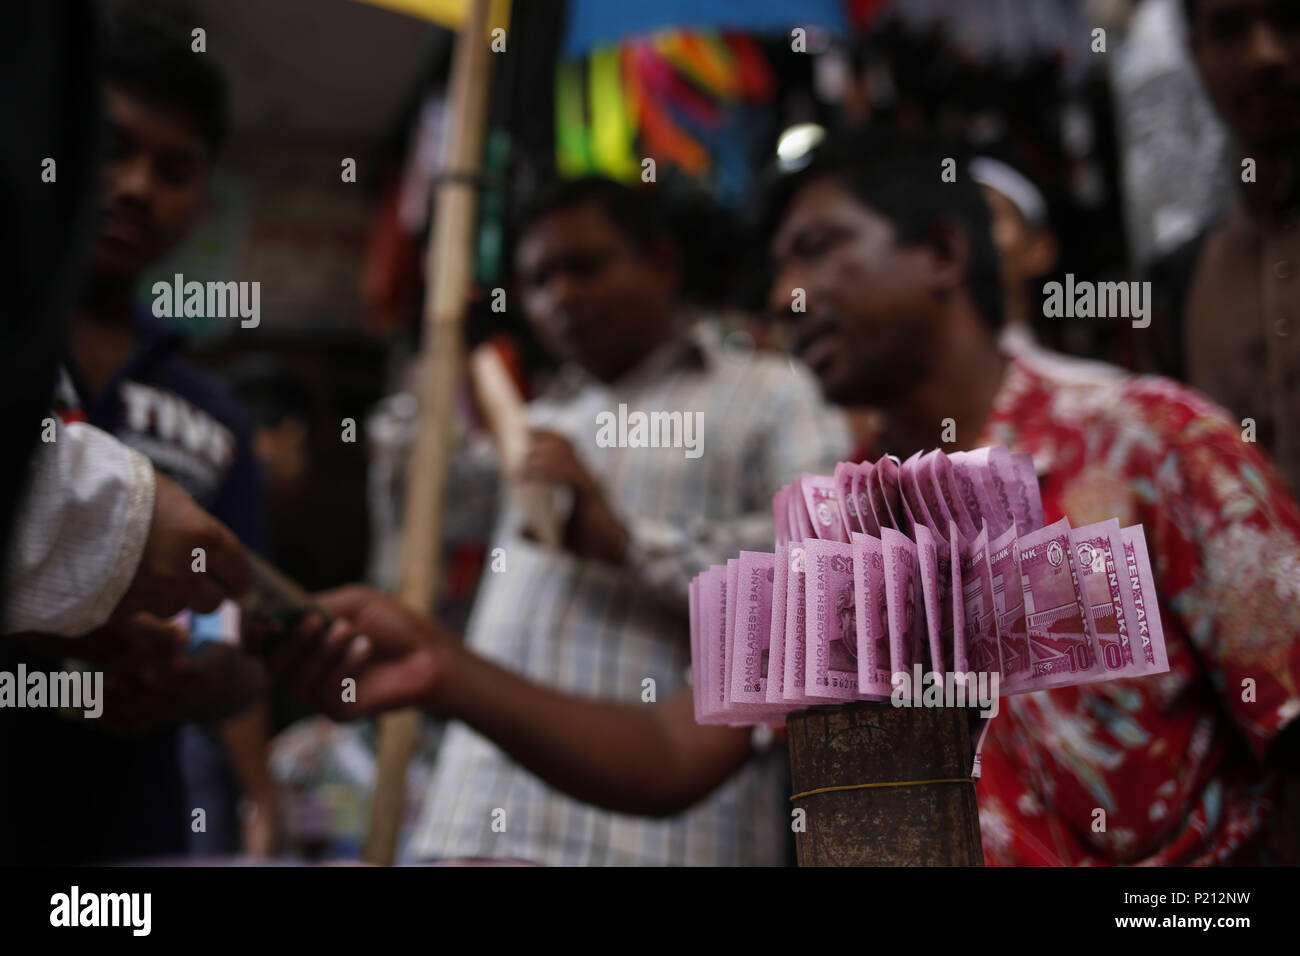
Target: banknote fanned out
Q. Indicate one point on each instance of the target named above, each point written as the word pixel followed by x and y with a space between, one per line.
pixel 831 627
pixel 1009 606
pixel 1062 640
pixel 1100 551
pixel 848 503
pixel 820 494
pixel 776 627
pixel 752 651
pixel 794 681
pixel 903 604
pixel 938 565
pixel 866 515
pixel 729 628
pixel 872 616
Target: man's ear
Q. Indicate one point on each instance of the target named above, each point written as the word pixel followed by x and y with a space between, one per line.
pixel 949 245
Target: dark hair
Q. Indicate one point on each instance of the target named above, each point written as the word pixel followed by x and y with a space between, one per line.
pixel 637 213
pixel 898 176
pixel 148 52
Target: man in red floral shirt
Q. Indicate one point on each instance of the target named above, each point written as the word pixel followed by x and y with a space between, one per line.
pixel 1186 767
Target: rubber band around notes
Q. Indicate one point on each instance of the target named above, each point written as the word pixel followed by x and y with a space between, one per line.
pixel 877 786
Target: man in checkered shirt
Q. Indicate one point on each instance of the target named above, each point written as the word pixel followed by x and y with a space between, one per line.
pixel 600 277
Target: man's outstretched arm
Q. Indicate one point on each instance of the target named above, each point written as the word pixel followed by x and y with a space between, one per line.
pixel 650 759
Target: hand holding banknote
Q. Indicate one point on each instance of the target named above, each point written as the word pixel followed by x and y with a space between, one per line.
pixel 165 581
pixel 397 658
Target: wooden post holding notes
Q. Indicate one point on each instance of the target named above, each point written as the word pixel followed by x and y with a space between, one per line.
pixel 884 786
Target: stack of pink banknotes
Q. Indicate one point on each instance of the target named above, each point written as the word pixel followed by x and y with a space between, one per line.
pixel 887 572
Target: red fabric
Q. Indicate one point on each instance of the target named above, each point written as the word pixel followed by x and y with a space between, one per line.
pixel 1174 761
pixel 862 12
pixel 757 82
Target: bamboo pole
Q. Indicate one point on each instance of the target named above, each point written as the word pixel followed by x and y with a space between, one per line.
pixel 917 807
pixel 448 270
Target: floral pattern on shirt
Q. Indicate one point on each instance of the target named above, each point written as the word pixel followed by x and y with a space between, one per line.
pixel 1166 769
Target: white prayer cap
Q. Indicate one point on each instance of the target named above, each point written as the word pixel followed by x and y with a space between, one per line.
pixel 794 147
pixel 1014 185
